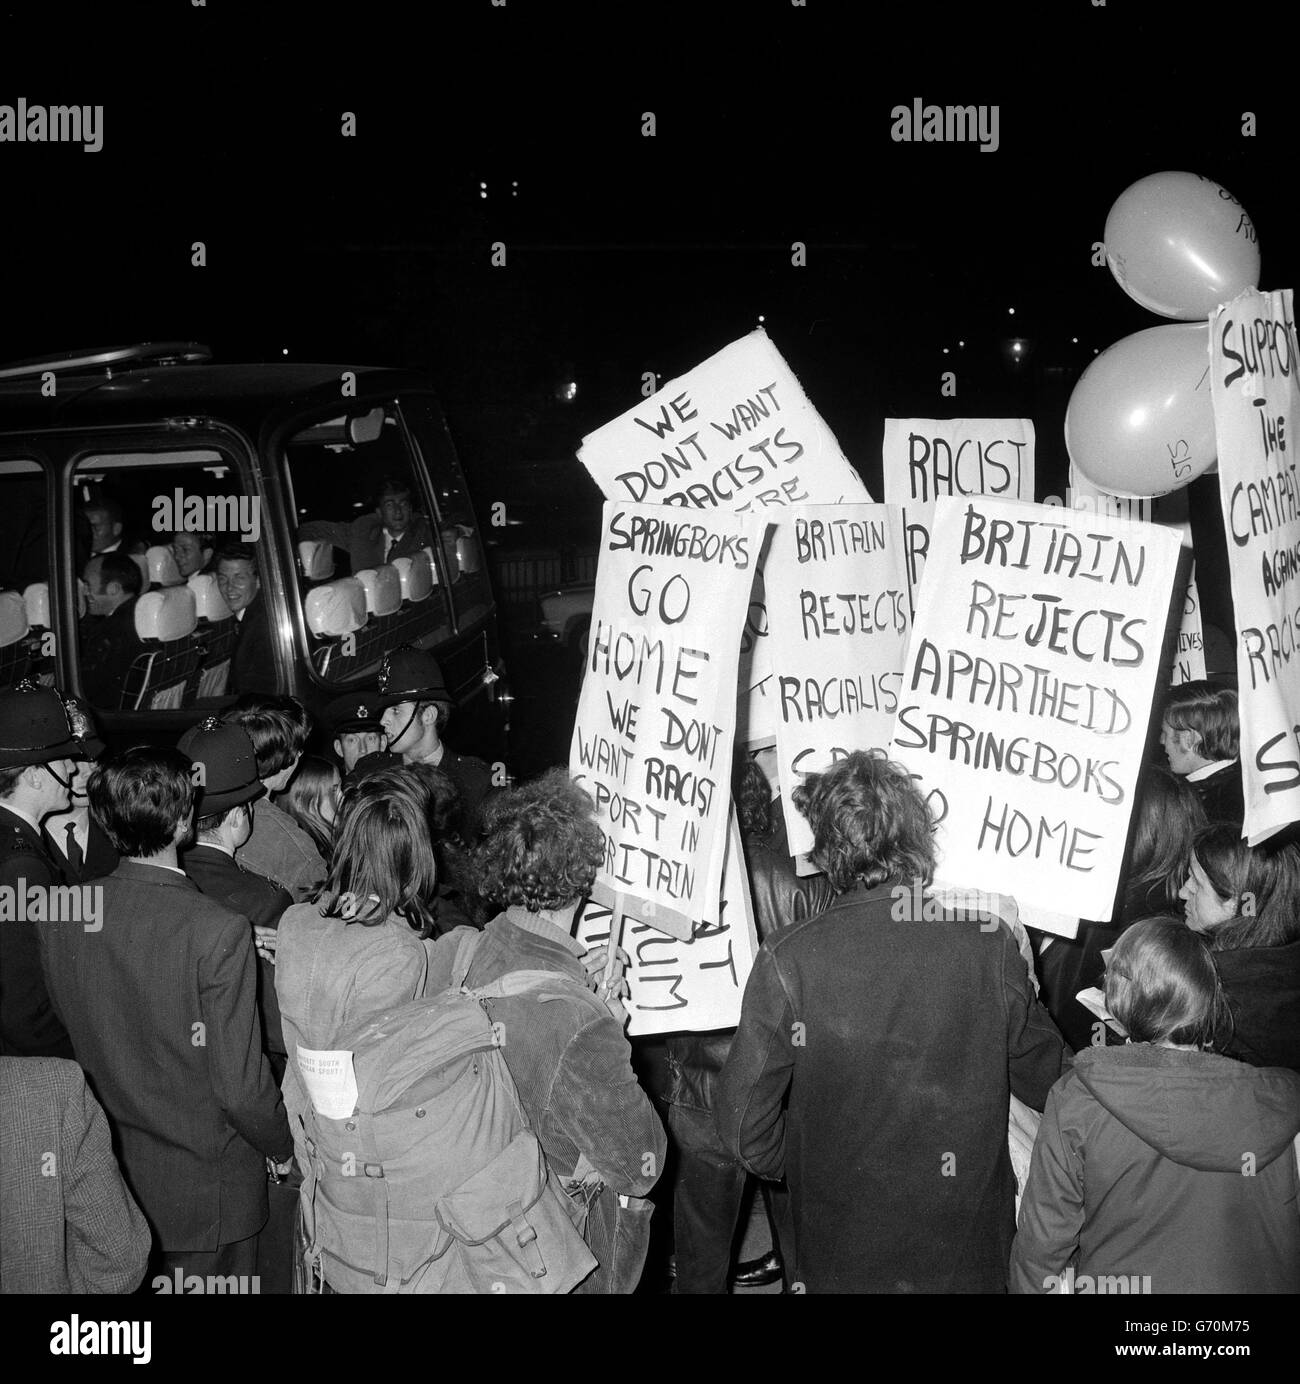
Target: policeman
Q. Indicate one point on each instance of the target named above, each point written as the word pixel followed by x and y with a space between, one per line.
pixel 415 707
pixel 37 746
pixel 223 823
pixel 353 724
pixel 78 845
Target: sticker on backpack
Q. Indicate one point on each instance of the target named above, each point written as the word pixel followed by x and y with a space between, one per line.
pixel 330 1080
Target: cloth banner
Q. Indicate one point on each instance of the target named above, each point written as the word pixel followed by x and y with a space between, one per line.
pixel 1256 408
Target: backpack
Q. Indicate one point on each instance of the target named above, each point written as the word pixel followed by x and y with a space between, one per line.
pixel 435 1183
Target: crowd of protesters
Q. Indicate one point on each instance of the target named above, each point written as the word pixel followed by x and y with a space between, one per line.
pixel 369 960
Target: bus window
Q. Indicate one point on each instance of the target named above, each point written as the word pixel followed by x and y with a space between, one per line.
pixel 459 538
pixel 367 544
pixel 161 630
pixel 26 633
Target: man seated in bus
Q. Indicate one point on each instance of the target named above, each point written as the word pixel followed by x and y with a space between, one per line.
pixel 109 643
pixel 391 530
pixel 252 669
pixel 193 553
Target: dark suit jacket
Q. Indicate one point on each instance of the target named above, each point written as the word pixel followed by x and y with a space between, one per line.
pixel 221 877
pixel 252 668
pixel 29 1026
pixel 70 1225
pixel 101 858
pixel 898 1044
pixel 363 538
pixel 109 645
pixel 161 1004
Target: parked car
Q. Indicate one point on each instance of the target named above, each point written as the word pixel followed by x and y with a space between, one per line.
pixel 564 616
pixel 157 437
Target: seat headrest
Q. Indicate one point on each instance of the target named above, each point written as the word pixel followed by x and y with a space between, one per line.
pixel 316 560
pixel 162 568
pixel 37 600
pixel 336 608
pixel 166 615
pixel 416 575
pixel 428 552
pixel 468 553
pixel 208 600
pixel 13 618
pixel 383 589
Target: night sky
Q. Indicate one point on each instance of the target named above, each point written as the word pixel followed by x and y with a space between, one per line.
pixel 624 253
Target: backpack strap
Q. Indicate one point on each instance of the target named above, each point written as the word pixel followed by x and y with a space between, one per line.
pixel 536 983
pixel 465 950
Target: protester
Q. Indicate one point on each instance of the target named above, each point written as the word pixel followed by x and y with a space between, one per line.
pixel 416 707
pixel 37 749
pixel 312 799
pixel 71 1225
pixel 279 849
pixel 1166 817
pixel 709 1182
pixel 109 642
pixel 1246 901
pixel 898 1041
pixel 359 949
pixel 460 899
pixel 252 667
pixel 1160 1164
pixel 1201 736
pixel 161 1005
pixel 225 814
pixel 538 861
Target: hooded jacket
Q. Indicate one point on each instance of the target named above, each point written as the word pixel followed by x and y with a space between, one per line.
pixel 1173 1171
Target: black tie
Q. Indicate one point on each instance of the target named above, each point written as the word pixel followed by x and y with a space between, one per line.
pixel 76 858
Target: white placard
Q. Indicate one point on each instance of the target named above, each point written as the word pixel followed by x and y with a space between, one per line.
pixel 656 717
pixel 1189 657
pixel 1027 692
pixel 687 986
pixel 735 433
pixel 838 611
pixel 928 457
pixel 1253 362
